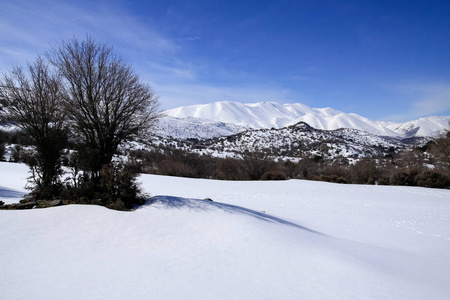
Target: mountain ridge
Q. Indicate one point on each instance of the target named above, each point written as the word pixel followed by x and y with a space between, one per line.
pixel 267 115
pixel 300 140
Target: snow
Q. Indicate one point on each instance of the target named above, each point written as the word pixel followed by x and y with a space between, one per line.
pixel 293 142
pixel 274 115
pixel 185 128
pixel 431 126
pixel 290 239
pixel 271 114
pixel 13 179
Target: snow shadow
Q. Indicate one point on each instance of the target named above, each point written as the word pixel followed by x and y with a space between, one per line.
pixel 8 193
pixel 171 202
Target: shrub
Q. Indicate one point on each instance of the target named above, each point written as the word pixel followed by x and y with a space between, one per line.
pixel 116 188
pixel 364 171
pixel 330 178
pixel 432 179
pixel 16 154
pixel 274 175
pixel 2 151
pixel 384 181
pixel 231 169
pixel 175 168
pixel 404 178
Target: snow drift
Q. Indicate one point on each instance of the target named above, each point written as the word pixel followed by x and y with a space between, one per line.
pixel 258 240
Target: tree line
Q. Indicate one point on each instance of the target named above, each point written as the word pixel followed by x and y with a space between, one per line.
pixel 81 96
pixel 427 166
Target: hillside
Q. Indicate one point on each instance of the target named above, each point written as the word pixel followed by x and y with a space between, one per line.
pixel 431 126
pixel 266 115
pixel 194 128
pixel 298 140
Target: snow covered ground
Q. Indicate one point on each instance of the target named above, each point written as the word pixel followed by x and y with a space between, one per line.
pixel 258 240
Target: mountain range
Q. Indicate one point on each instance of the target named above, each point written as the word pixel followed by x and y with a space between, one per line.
pixel 227 118
pixel 299 140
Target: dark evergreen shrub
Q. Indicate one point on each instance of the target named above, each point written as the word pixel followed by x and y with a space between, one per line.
pixel 115 187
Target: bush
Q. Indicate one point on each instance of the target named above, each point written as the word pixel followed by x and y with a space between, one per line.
pixel 330 178
pixel 115 188
pixel 384 181
pixel 404 178
pixel 175 168
pixel 274 175
pixel 2 151
pixel 43 192
pixel 432 179
pixel 231 169
pixel 364 171
pixel 174 162
pixel 16 154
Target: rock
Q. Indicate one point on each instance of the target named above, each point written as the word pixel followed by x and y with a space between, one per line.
pixel 55 203
pixel 26 205
pixel 48 203
pixel 32 204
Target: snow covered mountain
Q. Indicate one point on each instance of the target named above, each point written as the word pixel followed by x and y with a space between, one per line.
pixel 300 140
pixel 431 126
pixel 188 128
pixel 274 115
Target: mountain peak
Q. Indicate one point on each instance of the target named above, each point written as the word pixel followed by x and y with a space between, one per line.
pixel 275 115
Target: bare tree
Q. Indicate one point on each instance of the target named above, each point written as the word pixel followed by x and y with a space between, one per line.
pixel 107 102
pixel 440 149
pixel 32 102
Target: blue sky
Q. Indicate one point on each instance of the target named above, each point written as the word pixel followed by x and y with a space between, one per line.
pixel 385 60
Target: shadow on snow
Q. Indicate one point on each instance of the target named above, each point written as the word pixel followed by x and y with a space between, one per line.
pixel 171 202
pixel 8 193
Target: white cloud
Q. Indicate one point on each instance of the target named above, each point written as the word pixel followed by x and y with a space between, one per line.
pixel 192 38
pixel 30 27
pixel 423 100
pixel 436 99
pixel 172 96
pixel 154 71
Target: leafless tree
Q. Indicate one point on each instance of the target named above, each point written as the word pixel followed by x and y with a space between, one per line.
pixel 107 103
pixel 440 149
pixel 32 101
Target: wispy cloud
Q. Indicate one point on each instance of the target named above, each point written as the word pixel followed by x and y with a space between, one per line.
pixel 154 71
pixel 189 94
pixel 158 58
pixel 192 38
pixel 30 27
pixel 424 100
pixel 435 101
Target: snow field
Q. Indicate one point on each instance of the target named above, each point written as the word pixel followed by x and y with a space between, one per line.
pixel 258 240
